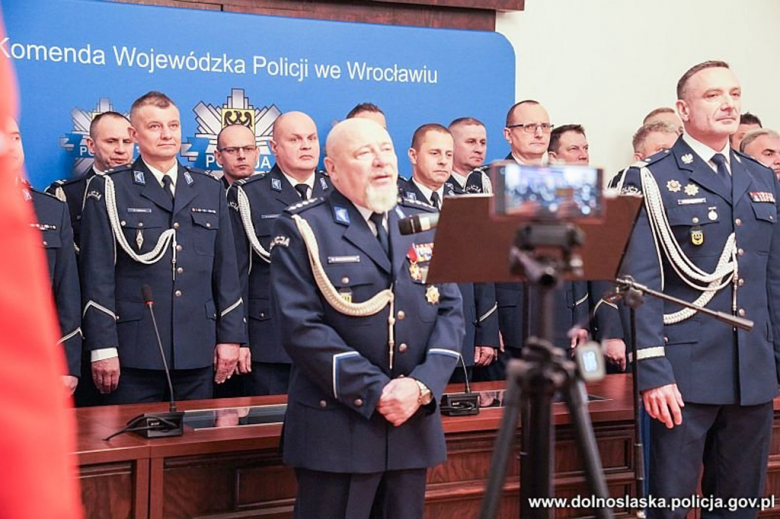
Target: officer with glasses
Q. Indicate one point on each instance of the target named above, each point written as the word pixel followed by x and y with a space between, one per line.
pixel 256 203
pixel 236 153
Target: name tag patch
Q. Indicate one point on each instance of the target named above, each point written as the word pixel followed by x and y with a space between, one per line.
pixel 691 201
pixel 343 259
pixel 139 210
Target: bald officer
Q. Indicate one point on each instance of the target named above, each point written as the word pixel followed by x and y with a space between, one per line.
pixel 372 344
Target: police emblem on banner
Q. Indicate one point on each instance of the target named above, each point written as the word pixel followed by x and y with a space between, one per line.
pixel 210 119
pixel 75 142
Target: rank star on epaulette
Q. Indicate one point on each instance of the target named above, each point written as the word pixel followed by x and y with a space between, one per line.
pixel 673 186
pixel 687 158
pixel 432 295
pixel 691 190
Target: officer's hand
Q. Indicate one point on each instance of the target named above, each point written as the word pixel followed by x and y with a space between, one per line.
pixel 225 360
pixel 664 403
pixel 70 383
pixel 484 355
pixel 501 347
pixel 615 352
pixel 244 365
pixel 578 336
pixel 105 374
pixel 399 401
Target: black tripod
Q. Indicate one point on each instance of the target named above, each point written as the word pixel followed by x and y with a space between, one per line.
pixel 533 380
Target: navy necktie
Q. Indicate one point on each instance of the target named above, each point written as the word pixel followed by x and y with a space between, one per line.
pixel 435 200
pixel 723 171
pixel 381 232
pixel 303 191
pixel 168 185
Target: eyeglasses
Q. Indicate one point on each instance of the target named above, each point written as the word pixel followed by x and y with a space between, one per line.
pixel 234 150
pixel 532 127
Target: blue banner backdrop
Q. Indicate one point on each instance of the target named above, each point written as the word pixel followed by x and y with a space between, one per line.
pixel 76 58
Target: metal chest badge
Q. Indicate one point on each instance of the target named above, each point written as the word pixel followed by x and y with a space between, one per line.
pixel 415 272
pixel 673 186
pixel 691 190
pixel 432 295
pixel 697 236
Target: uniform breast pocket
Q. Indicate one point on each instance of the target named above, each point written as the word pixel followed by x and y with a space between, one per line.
pixel 692 225
pixel 141 231
pixel 766 214
pixel 204 228
pixel 52 243
pixel 356 284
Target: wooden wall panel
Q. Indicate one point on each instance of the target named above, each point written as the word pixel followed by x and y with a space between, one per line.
pixel 457 14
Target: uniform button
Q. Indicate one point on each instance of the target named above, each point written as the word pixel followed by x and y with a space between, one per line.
pixel 323 403
pixel 179 248
pixel 740 252
pixel 402 347
pixel 345 280
pixel 175 225
pixel 262 314
pixel 741 312
pixel 401 315
pixel 401 376
pixel 123 223
pixel 695 220
pixel 208 225
pixel 741 282
pixel 44 243
pixel 244 319
pixel 178 293
pixel 358 402
pixel 140 224
pixel 738 222
pixel 666 339
pixel 179 270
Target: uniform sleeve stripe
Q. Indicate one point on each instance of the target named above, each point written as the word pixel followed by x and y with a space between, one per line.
pixel 69 336
pixel 488 313
pixel 582 300
pixel 98 307
pixel 442 351
pixel 232 307
pixel 336 358
pixel 650 353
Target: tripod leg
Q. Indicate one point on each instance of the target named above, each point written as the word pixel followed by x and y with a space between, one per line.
pixel 574 393
pixel 505 439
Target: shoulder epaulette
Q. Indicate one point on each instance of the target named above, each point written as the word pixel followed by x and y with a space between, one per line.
pixel 203 172
pixel 741 155
pixel 119 169
pixel 48 195
pixel 323 172
pixel 408 202
pixel 305 205
pixel 652 159
pixel 252 178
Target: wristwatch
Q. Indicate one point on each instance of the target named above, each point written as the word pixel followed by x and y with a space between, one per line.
pixel 425 394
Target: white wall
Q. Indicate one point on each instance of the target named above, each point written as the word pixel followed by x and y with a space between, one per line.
pixel 606 63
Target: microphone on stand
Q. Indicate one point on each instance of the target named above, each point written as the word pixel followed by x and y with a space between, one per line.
pixel 460 404
pixel 156 425
pixel 418 223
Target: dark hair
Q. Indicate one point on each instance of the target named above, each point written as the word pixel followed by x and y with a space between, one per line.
pixel 364 107
pixel 99 117
pixel 683 82
pixel 555 135
pixel 748 118
pixel 420 132
pixel 514 106
pixel 152 98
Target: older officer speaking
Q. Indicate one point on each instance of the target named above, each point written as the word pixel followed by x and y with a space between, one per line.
pixel 713 214
pixel 160 224
pixel 372 343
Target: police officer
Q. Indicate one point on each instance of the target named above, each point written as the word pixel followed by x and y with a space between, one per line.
pixel 372 344
pixel 236 153
pixel 257 202
pixel 713 212
pixel 110 143
pixel 431 155
pixel 166 226
pixel 53 222
pixel 469 171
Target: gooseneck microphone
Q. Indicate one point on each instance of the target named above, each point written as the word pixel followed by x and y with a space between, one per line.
pixel 156 425
pixel 460 404
pixel 418 223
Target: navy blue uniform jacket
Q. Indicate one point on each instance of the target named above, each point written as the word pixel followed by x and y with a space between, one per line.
pixel 72 193
pixel 269 195
pixel 57 237
pixel 198 308
pixel 341 363
pixel 710 362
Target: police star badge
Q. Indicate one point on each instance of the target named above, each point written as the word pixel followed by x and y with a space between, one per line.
pixel 673 186
pixel 432 295
pixel 687 158
pixel 691 190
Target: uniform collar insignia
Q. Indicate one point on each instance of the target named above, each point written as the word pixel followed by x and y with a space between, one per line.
pixel 188 178
pixel 448 188
pixel 139 178
pixel 411 196
pixel 26 193
pixel 276 184
pixel 687 158
pixel 341 215
pixel 323 183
